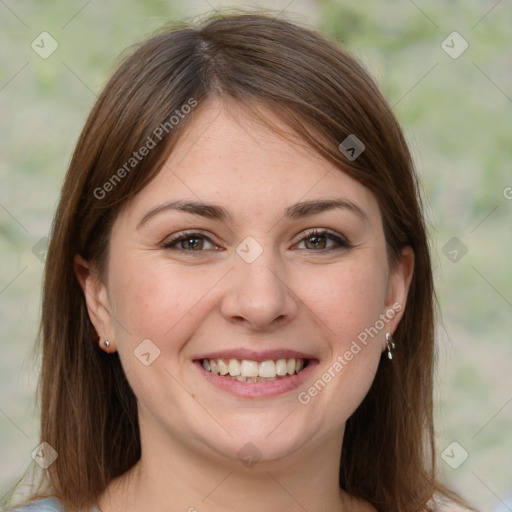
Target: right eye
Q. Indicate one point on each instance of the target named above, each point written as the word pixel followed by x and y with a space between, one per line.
pixel 188 242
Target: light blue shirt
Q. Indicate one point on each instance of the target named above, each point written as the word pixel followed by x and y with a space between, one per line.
pixel 46 505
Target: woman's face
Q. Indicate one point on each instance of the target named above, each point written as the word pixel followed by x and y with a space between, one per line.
pixel 217 258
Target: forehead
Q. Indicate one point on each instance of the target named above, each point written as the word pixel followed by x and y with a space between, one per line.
pixel 228 156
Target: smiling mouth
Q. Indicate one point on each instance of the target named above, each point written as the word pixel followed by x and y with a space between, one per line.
pixel 246 370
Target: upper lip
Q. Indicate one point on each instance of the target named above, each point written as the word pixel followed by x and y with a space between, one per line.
pixel 254 355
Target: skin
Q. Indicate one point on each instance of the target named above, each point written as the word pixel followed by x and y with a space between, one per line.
pixel 292 296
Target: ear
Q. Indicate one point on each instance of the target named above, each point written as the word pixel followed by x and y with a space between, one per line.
pixel 398 287
pixel 96 299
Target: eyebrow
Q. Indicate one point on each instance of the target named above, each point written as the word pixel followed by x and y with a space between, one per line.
pixel 293 212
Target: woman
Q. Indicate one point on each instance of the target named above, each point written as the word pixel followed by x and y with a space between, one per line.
pixel 238 301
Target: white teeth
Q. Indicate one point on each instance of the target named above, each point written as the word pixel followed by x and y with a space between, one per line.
pixel 234 367
pixel 223 367
pixel 281 367
pixel 241 378
pixel 214 367
pixel 249 368
pixel 253 371
pixel 267 369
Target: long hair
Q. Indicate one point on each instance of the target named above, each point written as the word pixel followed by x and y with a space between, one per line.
pixel 88 410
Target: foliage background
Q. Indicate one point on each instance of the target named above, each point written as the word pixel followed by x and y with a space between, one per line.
pixel 455 112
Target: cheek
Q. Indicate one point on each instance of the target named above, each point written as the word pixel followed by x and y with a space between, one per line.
pixel 152 298
pixel 347 298
pixel 160 302
pixel 348 301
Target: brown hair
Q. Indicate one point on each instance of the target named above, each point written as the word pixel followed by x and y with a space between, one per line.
pixel 89 413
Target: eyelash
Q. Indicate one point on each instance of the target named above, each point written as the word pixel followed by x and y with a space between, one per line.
pixel 341 241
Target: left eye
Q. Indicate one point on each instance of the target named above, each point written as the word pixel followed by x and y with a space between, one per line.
pixel 318 239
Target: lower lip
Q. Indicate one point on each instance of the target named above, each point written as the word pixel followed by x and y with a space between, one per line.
pixel 257 389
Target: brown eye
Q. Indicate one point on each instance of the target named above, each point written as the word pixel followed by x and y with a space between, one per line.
pixel 318 240
pixel 189 242
pixel 192 243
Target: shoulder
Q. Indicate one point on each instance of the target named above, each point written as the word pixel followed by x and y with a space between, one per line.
pixel 42 505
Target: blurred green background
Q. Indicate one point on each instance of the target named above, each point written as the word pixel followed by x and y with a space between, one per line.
pixel 455 110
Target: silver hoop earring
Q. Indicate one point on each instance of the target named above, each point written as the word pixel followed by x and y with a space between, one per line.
pixel 391 345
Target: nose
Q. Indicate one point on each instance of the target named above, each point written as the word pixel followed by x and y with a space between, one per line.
pixel 257 294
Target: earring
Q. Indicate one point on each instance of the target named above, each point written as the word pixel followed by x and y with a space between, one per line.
pixel 391 345
pixel 106 343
